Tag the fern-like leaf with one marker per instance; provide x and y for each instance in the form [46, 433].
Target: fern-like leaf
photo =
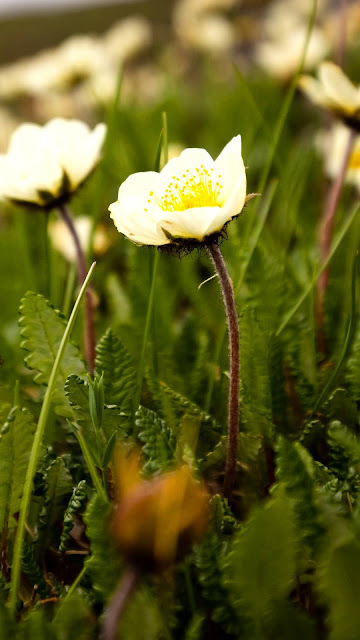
[159, 442]
[32, 570]
[75, 505]
[113, 360]
[42, 328]
[103, 553]
[16, 439]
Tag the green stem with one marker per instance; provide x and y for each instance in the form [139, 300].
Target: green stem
[76, 583]
[35, 451]
[146, 335]
[150, 306]
[69, 290]
[319, 271]
[90, 465]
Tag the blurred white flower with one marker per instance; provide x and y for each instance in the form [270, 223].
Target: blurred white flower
[280, 56]
[193, 197]
[127, 38]
[63, 242]
[334, 91]
[46, 164]
[332, 145]
[8, 124]
[200, 25]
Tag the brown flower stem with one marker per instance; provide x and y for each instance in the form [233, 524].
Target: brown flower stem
[118, 603]
[326, 234]
[234, 339]
[89, 331]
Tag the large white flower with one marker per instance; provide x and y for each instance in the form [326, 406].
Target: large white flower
[193, 197]
[334, 91]
[46, 164]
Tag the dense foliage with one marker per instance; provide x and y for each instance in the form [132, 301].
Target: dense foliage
[283, 560]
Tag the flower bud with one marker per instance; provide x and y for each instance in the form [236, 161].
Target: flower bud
[155, 522]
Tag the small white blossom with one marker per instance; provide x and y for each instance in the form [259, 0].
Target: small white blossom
[334, 91]
[46, 164]
[332, 146]
[193, 197]
[62, 240]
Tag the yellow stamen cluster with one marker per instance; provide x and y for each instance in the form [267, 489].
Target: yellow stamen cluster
[189, 190]
[354, 162]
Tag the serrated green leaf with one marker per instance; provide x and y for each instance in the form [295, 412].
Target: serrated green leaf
[75, 505]
[59, 487]
[16, 439]
[295, 469]
[159, 443]
[113, 360]
[42, 328]
[74, 619]
[339, 585]
[113, 420]
[102, 549]
[261, 565]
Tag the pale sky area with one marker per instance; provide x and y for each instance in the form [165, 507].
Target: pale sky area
[12, 7]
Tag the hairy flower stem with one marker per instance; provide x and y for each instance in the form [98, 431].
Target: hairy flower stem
[325, 237]
[118, 603]
[234, 339]
[89, 331]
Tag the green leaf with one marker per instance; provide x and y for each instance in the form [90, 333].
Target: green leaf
[295, 469]
[114, 362]
[145, 607]
[159, 444]
[42, 329]
[32, 570]
[255, 378]
[261, 565]
[59, 487]
[104, 564]
[113, 420]
[16, 439]
[73, 619]
[35, 625]
[75, 506]
[339, 584]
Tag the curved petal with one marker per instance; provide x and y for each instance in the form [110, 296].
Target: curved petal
[130, 219]
[139, 185]
[187, 162]
[78, 148]
[338, 87]
[232, 207]
[313, 90]
[191, 223]
[229, 167]
[32, 158]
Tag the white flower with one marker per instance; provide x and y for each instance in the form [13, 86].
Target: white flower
[193, 197]
[332, 145]
[62, 240]
[280, 56]
[334, 91]
[46, 164]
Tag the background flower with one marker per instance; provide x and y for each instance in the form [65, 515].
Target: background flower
[46, 164]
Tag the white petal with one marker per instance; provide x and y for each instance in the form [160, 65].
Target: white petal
[187, 162]
[338, 86]
[33, 159]
[139, 185]
[229, 167]
[138, 225]
[191, 223]
[231, 208]
[78, 148]
[314, 90]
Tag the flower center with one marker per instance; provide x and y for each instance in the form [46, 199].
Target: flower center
[354, 162]
[190, 190]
